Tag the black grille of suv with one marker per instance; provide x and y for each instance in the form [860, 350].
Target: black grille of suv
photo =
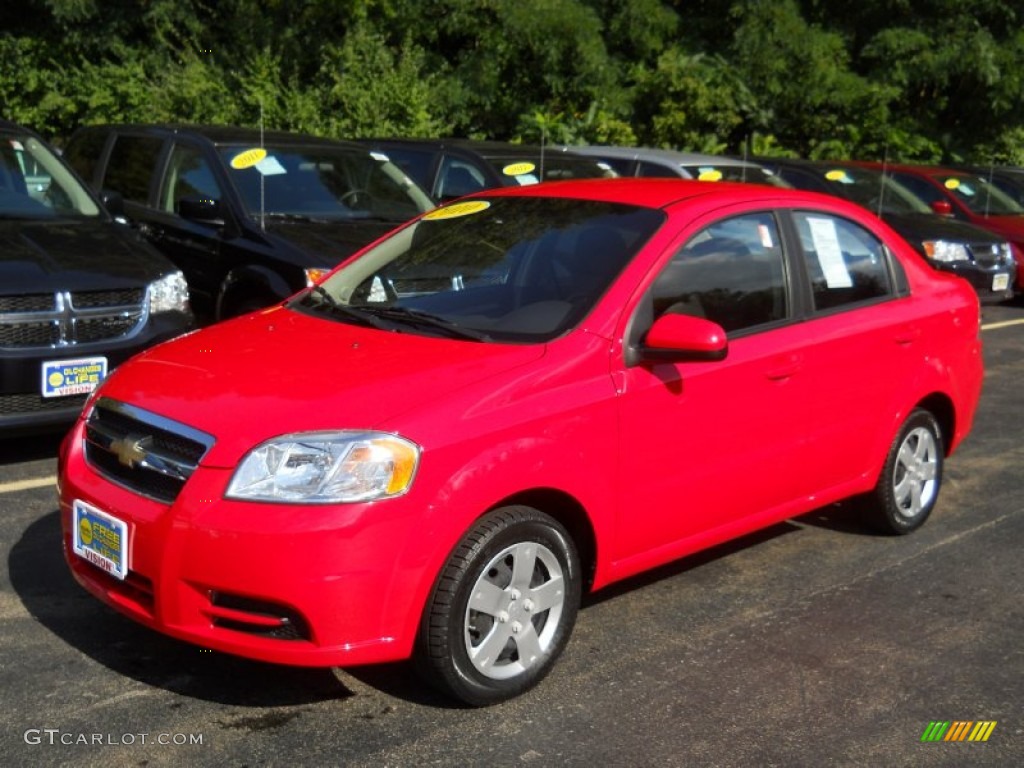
[22, 403]
[141, 451]
[66, 318]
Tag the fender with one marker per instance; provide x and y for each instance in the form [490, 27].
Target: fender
[254, 277]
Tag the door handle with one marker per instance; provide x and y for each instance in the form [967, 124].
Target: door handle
[908, 335]
[785, 368]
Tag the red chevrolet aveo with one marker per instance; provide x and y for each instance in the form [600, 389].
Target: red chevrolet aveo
[508, 401]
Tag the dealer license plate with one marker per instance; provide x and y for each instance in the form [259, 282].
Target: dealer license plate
[100, 538]
[73, 377]
[1000, 282]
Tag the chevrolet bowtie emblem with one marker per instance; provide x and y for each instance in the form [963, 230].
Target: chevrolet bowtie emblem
[131, 449]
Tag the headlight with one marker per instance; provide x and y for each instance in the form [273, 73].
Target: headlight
[942, 250]
[326, 468]
[169, 294]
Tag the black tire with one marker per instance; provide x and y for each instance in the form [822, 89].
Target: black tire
[511, 587]
[908, 487]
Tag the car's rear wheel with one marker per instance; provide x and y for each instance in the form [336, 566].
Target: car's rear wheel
[502, 609]
[909, 484]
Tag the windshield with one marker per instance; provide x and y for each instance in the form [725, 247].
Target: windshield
[35, 183]
[549, 166]
[322, 182]
[748, 174]
[517, 269]
[873, 190]
[981, 196]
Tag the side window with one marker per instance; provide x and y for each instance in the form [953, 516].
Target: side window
[188, 175]
[458, 178]
[845, 263]
[731, 272]
[84, 152]
[919, 187]
[131, 165]
[654, 171]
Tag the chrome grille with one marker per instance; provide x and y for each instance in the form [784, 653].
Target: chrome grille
[142, 451]
[986, 255]
[66, 318]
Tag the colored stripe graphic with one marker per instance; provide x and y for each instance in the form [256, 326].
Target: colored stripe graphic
[982, 731]
[958, 730]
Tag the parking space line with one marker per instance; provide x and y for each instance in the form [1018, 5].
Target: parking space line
[1004, 324]
[24, 485]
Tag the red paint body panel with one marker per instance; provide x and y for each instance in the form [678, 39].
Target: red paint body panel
[656, 460]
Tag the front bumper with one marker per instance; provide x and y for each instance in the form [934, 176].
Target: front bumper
[23, 409]
[992, 283]
[299, 585]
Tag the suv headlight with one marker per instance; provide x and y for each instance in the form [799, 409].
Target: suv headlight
[326, 468]
[945, 251]
[169, 294]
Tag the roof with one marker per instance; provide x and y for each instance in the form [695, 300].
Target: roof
[228, 134]
[662, 192]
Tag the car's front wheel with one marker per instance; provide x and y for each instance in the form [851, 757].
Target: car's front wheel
[502, 609]
[909, 484]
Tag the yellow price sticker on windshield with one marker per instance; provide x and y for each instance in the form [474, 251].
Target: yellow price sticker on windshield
[518, 169]
[836, 176]
[952, 183]
[456, 210]
[711, 175]
[248, 158]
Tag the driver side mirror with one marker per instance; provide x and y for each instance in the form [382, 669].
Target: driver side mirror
[204, 210]
[678, 338]
[942, 207]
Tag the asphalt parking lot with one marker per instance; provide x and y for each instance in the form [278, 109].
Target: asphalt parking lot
[813, 643]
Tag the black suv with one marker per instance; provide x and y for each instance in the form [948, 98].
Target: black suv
[79, 293]
[451, 168]
[250, 217]
[979, 256]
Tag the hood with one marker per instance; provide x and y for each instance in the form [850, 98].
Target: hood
[1010, 227]
[916, 227]
[327, 243]
[279, 371]
[68, 254]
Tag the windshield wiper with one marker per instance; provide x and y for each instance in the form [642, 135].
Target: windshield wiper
[335, 307]
[416, 318]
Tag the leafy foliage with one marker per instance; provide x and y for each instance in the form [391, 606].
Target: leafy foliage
[936, 80]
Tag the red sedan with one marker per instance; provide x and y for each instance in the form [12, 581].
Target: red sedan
[511, 400]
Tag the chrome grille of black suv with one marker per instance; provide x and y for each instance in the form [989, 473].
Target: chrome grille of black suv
[986, 255]
[65, 319]
[142, 451]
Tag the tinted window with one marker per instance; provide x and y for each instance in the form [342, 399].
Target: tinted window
[458, 178]
[923, 188]
[188, 175]
[846, 264]
[131, 165]
[731, 273]
[415, 163]
[510, 269]
[84, 152]
[654, 171]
